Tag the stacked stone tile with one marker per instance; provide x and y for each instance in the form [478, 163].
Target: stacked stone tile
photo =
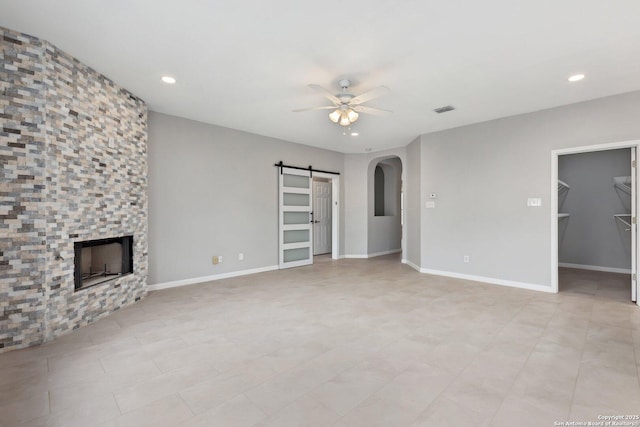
[73, 168]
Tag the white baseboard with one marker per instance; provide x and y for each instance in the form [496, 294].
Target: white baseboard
[194, 280]
[373, 255]
[492, 280]
[410, 264]
[514, 284]
[392, 251]
[595, 268]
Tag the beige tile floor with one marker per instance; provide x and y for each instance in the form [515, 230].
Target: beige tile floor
[341, 343]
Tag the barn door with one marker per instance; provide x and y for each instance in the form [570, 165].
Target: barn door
[295, 218]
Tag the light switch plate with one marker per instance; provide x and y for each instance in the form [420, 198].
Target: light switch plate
[534, 202]
[430, 205]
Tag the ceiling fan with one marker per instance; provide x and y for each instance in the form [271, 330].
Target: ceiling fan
[346, 106]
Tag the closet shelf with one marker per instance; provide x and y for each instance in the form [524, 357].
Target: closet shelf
[624, 218]
[562, 186]
[623, 183]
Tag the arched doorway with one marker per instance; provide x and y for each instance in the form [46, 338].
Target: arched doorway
[385, 206]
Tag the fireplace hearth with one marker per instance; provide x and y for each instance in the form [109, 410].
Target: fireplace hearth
[99, 261]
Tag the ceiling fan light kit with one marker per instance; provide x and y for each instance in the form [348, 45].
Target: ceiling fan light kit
[352, 115]
[344, 120]
[347, 106]
[344, 117]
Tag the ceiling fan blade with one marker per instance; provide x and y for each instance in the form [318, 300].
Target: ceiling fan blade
[331, 107]
[373, 93]
[326, 93]
[372, 110]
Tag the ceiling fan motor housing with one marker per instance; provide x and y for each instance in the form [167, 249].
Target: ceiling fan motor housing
[344, 97]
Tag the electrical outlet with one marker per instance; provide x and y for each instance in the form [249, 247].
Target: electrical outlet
[465, 258]
[220, 259]
[240, 256]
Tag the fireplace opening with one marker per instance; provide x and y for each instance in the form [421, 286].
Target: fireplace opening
[98, 261]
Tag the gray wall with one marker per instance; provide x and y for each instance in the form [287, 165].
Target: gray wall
[591, 236]
[413, 202]
[355, 200]
[359, 201]
[484, 174]
[213, 191]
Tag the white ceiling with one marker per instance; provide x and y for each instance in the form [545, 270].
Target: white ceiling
[246, 64]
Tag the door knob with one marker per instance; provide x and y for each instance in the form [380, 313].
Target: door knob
[316, 221]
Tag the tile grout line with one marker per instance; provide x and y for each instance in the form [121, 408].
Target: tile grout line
[584, 346]
[524, 364]
[48, 385]
[187, 404]
[636, 345]
[341, 417]
[319, 385]
[465, 367]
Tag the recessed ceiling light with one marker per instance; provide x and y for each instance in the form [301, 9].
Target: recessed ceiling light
[354, 134]
[168, 79]
[576, 77]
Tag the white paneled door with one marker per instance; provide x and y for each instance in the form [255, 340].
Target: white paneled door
[321, 217]
[295, 218]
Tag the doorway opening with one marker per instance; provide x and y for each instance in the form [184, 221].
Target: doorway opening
[333, 223]
[594, 229]
[322, 216]
[385, 207]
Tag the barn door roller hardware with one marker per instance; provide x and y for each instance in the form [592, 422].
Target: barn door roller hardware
[309, 168]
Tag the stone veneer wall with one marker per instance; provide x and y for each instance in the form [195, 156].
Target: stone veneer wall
[73, 155]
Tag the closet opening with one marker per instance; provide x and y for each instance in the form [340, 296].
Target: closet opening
[594, 214]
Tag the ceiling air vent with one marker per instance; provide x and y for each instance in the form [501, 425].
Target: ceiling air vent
[444, 109]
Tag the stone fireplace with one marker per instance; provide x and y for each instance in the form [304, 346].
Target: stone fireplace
[73, 148]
